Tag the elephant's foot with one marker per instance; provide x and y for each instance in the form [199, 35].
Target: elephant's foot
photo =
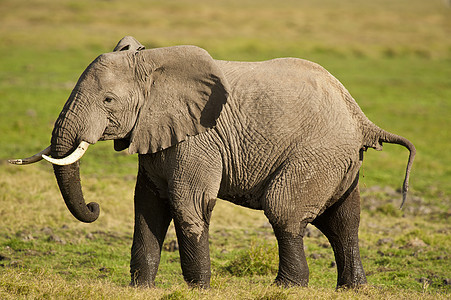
[290, 282]
[138, 280]
[352, 280]
[200, 281]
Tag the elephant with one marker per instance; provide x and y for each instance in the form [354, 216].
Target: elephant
[283, 136]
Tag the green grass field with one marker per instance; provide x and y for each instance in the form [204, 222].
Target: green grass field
[393, 56]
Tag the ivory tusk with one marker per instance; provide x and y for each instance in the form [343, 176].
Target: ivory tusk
[70, 159]
[30, 160]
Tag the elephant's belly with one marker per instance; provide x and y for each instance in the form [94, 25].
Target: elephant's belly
[249, 201]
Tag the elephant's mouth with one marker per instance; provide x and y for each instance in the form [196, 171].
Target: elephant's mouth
[121, 142]
[111, 132]
[108, 133]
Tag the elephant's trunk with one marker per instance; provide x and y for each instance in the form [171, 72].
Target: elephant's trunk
[68, 176]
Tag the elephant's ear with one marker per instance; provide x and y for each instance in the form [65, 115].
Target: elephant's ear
[184, 92]
[128, 43]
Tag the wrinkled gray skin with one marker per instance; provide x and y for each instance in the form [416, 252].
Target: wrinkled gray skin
[283, 136]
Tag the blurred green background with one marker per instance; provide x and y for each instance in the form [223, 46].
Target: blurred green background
[393, 56]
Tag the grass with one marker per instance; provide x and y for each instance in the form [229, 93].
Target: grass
[393, 56]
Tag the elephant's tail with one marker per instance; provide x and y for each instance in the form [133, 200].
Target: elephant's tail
[379, 136]
[396, 139]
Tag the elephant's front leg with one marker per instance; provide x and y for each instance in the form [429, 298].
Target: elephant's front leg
[195, 175]
[152, 219]
[192, 226]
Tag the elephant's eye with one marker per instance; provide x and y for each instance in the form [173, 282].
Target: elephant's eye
[108, 100]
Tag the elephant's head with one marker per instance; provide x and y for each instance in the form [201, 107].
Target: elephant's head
[145, 100]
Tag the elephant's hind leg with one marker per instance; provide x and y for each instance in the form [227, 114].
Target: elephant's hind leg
[281, 204]
[152, 219]
[293, 268]
[295, 196]
[340, 224]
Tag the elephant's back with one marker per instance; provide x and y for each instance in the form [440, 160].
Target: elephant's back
[290, 99]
